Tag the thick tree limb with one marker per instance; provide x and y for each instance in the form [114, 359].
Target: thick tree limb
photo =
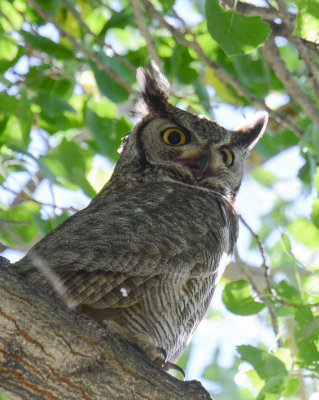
[48, 352]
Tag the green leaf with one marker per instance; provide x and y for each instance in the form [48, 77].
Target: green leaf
[108, 86]
[287, 243]
[254, 73]
[25, 116]
[291, 385]
[275, 387]
[266, 365]
[107, 133]
[288, 292]
[41, 83]
[315, 212]
[13, 16]
[308, 170]
[307, 19]
[264, 177]
[179, 65]
[307, 338]
[52, 105]
[167, 4]
[119, 20]
[8, 104]
[235, 33]
[25, 229]
[50, 47]
[95, 20]
[238, 299]
[223, 90]
[305, 232]
[68, 162]
[316, 179]
[8, 48]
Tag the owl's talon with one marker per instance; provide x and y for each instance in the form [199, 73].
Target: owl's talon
[168, 365]
[163, 353]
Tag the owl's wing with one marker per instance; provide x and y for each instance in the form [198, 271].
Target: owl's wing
[143, 231]
[98, 289]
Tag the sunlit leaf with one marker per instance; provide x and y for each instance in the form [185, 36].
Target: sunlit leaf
[8, 47]
[237, 297]
[307, 338]
[14, 17]
[264, 177]
[315, 212]
[288, 292]
[305, 232]
[221, 87]
[307, 20]
[266, 365]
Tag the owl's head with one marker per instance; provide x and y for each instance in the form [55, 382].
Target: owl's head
[170, 143]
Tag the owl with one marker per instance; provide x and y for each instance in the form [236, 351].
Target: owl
[146, 254]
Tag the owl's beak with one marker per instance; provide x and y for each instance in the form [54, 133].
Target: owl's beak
[203, 164]
[198, 165]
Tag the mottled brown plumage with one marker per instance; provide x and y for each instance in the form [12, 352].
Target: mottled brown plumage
[146, 254]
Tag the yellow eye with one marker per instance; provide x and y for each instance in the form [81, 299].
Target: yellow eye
[174, 137]
[228, 156]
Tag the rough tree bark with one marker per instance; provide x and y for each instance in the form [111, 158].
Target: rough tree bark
[50, 352]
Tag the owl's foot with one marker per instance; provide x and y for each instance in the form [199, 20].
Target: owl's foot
[157, 354]
[166, 365]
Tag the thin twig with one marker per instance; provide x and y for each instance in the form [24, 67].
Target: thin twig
[141, 24]
[273, 317]
[23, 196]
[91, 55]
[16, 223]
[82, 23]
[265, 267]
[290, 22]
[267, 270]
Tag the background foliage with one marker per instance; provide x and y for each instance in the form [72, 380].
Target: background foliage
[67, 73]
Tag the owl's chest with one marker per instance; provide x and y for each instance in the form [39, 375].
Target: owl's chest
[165, 228]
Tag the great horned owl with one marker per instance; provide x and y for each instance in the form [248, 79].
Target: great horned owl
[147, 252]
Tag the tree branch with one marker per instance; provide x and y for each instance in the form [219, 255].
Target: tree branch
[222, 73]
[48, 352]
[82, 23]
[272, 55]
[251, 10]
[91, 55]
[141, 24]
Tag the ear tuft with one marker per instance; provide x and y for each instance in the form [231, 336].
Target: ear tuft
[249, 133]
[155, 98]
